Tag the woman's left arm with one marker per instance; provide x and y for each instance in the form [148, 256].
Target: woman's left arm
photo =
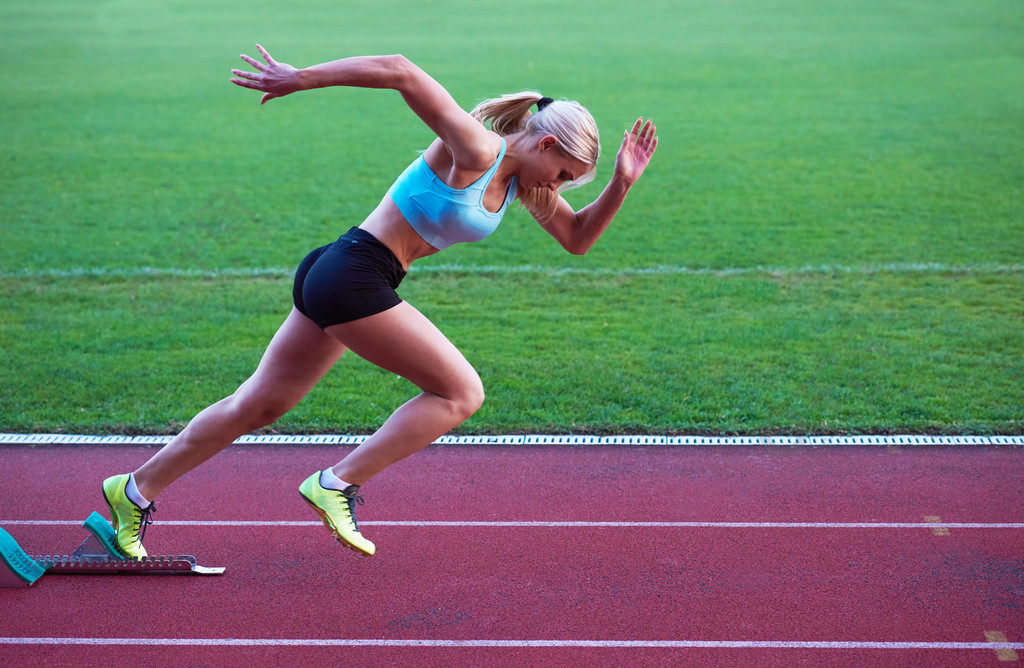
[578, 231]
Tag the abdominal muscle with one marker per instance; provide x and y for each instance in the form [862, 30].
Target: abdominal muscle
[391, 229]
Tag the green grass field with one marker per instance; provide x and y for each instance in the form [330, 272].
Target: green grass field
[829, 240]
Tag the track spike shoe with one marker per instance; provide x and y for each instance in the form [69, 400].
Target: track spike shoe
[337, 509]
[128, 519]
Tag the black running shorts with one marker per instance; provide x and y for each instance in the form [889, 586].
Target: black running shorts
[352, 278]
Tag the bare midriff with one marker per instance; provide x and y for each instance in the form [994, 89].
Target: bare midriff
[391, 229]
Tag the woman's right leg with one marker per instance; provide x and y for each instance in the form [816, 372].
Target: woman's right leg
[296, 359]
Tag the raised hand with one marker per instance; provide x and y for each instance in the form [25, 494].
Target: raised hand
[638, 146]
[274, 79]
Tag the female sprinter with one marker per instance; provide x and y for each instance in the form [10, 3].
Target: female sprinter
[344, 293]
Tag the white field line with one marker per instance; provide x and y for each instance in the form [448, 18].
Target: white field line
[538, 270]
[561, 525]
[631, 644]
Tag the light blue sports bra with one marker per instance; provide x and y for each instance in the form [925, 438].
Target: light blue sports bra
[441, 215]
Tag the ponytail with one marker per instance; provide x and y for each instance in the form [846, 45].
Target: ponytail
[508, 113]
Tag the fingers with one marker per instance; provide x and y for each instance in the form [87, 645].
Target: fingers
[641, 129]
[642, 135]
[252, 79]
[647, 131]
[255, 63]
[266, 56]
[260, 67]
[255, 80]
[251, 76]
[646, 136]
[249, 79]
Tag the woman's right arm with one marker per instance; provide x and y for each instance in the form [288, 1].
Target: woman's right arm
[471, 144]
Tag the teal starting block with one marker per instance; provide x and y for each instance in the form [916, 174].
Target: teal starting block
[98, 554]
[102, 541]
[21, 570]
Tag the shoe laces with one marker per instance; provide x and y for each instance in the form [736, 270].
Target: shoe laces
[350, 493]
[351, 496]
[144, 519]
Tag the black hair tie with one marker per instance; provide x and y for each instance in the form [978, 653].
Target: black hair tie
[543, 102]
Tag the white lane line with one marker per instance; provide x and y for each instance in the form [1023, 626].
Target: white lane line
[641, 525]
[536, 270]
[374, 642]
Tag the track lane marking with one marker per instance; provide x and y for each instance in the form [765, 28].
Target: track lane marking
[581, 525]
[411, 642]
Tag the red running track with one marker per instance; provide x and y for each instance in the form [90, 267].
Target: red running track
[554, 556]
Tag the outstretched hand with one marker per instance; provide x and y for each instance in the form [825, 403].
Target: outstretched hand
[274, 79]
[637, 148]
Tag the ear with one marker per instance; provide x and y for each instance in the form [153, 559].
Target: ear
[547, 142]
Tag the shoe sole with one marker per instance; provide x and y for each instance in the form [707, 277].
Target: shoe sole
[327, 523]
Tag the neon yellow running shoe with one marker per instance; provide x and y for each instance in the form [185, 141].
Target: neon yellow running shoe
[338, 512]
[129, 520]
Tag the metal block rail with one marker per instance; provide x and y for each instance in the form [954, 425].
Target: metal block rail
[98, 554]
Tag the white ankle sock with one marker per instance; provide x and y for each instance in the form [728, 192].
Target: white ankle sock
[330, 481]
[131, 490]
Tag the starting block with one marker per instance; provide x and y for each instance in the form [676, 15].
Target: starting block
[98, 554]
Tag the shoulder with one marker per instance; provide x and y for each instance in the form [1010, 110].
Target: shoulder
[479, 156]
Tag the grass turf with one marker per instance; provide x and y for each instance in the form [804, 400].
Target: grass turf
[829, 239]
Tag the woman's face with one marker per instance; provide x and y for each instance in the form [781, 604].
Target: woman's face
[549, 167]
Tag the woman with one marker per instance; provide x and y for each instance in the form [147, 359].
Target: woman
[344, 293]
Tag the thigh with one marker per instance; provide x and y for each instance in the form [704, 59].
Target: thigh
[404, 341]
[297, 358]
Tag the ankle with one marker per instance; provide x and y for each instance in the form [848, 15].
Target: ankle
[131, 490]
[329, 480]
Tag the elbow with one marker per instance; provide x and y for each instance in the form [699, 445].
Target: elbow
[415, 85]
[394, 71]
[400, 66]
[576, 241]
[578, 248]
[581, 240]
[400, 63]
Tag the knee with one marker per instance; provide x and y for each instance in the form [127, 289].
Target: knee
[266, 415]
[257, 410]
[469, 398]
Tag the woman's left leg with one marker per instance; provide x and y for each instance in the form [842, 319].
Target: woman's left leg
[403, 341]
[400, 340]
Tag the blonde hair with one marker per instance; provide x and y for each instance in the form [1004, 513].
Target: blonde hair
[569, 122]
